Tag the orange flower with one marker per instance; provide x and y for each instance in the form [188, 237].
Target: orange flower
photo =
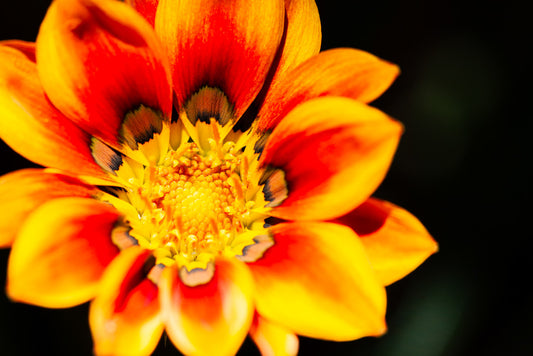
[211, 177]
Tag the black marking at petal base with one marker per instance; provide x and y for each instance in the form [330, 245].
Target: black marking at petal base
[261, 141]
[252, 253]
[275, 188]
[197, 276]
[140, 125]
[209, 103]
[105, 156]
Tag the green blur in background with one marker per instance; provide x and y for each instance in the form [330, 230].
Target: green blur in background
[462, 168]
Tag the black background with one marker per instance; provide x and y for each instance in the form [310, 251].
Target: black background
[462, 167]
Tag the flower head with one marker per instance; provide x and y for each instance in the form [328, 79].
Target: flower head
[209, 174]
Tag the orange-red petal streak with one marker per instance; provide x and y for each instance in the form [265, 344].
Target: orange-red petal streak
[26, 111]
[316, 280]
[147, 8]
[301, 41]
[25, 190]
[395, 241]
[228, 45]
[334, 153]
[212, 318]
[61, 252]
[125, 316]
[99, 60]
[341, 72]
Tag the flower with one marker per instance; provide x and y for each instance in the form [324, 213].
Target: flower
[209, 174]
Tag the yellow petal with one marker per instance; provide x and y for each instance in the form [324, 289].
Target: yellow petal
[316, 280]
[62, 249]
[273, 339]
[98, 60]
[212, 318]
[125, 317]
[340, 72]
[26, 111]
[333, 152]
[25, 190]
[395, 241]
[228, 45]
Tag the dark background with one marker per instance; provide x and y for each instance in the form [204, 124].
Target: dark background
[462, 167]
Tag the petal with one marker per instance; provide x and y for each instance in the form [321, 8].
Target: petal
[100, 60]
[25, 190]
[226, 45]
[147, 8]
[25, 110]
[333, 153]
[212, 318]
[273, 339]
[395, 241]
[301, 40]
[316, 281]
[61, 252]
[125, 316]
[340, 72]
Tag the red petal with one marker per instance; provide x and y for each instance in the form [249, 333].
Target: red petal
[212, 318]
[25, 190]
[61, 252]
[395, 241]
[227, 45]
[341, 72]
[316, 281]
[98, 61]
[125, 316]
[333, 153]
[301, 41]
[25, 110]
[147, 8]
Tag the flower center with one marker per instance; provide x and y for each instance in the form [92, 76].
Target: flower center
[193, 204]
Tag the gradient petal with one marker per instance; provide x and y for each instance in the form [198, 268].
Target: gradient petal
[25, 190]
[25, 110]
[212, 318]
[316, 281]
[301, 41]
[273, 339]
[395, 241]
[326, 157]
[125, 317]
[339, 72]
[100, 60]
[224, 45]
[61, 252]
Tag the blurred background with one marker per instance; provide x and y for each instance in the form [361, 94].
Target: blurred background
[462, 168]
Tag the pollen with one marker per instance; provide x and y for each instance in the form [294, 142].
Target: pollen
[193, 206]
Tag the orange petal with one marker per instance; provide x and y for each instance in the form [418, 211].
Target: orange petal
[61, 252]
[25, 110]
[273, 339]
[301, 40]
[316, 281]
[125, 316]
[212, 318]
[100, 60]
[333, 152]
[147, 8]
[25, 190]
[341, 72]
[228, 45]
[395, 241]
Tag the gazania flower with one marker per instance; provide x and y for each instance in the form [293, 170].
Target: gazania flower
[209, 175]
